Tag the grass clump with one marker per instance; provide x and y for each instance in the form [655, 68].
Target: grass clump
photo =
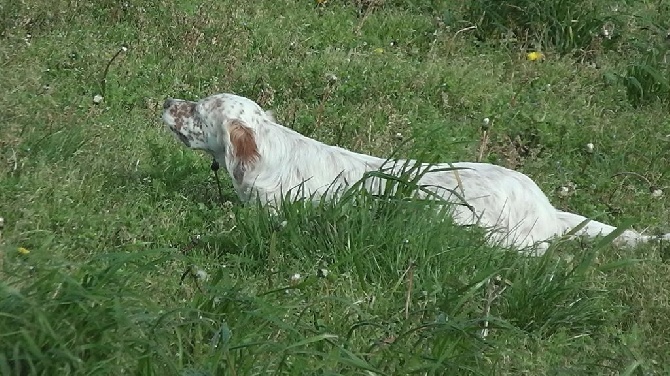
[562, 26]
[60, 318]
[647, 79]
[279, 299]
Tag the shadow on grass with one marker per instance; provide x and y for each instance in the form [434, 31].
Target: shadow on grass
[169, 173]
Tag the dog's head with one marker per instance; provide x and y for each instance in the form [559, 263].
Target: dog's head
[224, 125]
[183, 120]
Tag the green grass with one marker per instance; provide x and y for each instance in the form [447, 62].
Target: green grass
[135, 267]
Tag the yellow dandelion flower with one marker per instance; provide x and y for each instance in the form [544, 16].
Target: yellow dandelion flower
[379, 50]
[532, 56]
[23, 251]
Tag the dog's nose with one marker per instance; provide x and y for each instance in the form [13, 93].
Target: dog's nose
[168, 102]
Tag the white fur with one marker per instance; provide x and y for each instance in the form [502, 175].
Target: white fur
[267, 160]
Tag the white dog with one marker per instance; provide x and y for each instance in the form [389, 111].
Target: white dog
[267, 161]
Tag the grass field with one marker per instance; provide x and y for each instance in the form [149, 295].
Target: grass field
[118, 258]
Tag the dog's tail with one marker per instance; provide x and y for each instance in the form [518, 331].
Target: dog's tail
[591, 229]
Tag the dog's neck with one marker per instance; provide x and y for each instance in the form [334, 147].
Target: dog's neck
[291, 162]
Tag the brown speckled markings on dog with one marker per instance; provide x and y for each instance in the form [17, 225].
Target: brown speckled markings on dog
[180, 111]
[215, 104]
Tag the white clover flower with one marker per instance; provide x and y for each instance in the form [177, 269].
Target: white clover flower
[97, 99]
[657, 193]
[398, 136]
[563, 191]
[323, 273]
[486, 123]
[608, 31]
[331, 78]
[589, 147]
[295, 278]
[201, 275]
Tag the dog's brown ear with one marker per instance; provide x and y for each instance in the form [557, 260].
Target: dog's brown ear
[243, 141]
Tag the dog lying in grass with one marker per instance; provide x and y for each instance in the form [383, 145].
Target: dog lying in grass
[269, 162]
